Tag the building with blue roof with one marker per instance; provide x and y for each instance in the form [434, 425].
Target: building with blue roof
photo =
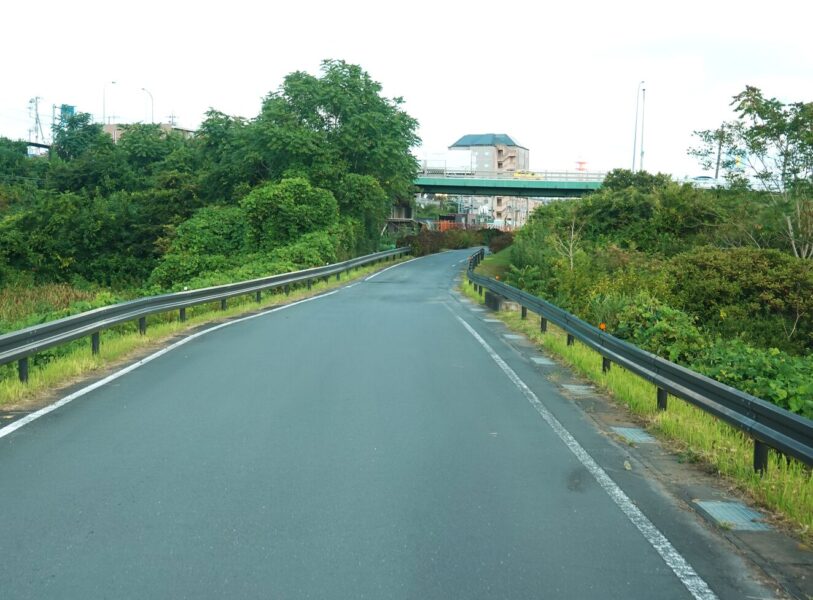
[493, 153]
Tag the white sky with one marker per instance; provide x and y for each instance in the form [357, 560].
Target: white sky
[559, 77]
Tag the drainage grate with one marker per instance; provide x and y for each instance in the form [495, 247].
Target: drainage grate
[578, 390]
[733, 515]
[542, 361]
[634, 434]
[513, 336]
[478, 310]
[492, 320]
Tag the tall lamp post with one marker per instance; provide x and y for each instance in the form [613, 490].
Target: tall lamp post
[635, 134]
[104, 101]
[152, 105]
[643, 111]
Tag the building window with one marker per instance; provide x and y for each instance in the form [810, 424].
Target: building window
[499, 165]
[499, 214]
[499, 201]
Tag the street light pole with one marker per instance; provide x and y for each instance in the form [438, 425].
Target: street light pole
[643, 110]
[152, 105]
[104, 101]
[635, 134]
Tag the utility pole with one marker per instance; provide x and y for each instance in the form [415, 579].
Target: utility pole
[34, 113]
[720, 133]
[635, 133]
[152, 105]
[104, 101]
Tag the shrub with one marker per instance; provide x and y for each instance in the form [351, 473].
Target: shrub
[659, 328]
[278, 213]
[763, 296]
[501, 241]
[211, 230]
[772, 375]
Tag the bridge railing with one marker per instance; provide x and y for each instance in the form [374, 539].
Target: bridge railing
[767, 424]
[20, 345]
[558, 176]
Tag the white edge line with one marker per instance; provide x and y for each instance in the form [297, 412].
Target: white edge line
[696, 586]
[377, 273]
[8, 429]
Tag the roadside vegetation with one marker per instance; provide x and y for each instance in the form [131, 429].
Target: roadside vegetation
[310, 180]
[718, 280]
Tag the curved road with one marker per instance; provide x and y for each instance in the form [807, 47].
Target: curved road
[379, 442]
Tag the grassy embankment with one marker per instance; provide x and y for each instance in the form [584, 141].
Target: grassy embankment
[120, 342]
[786, 489]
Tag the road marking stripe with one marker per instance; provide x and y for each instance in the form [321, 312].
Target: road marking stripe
[377, 273]
[696, 586]
[8, 429]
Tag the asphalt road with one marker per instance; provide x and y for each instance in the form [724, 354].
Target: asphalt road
[365, 444]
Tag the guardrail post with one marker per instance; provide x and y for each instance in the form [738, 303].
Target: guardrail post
[570, 339]
[286, 289]
[605, 364]
[339, 276]
[543, 324]
[258, 296]
[662, 395]
[22, 369]
[309, 284]
[182, 314]
[222, 304]
[760, 456]
[95, 342]
[524, 313]
[142, 325]
[481, 289]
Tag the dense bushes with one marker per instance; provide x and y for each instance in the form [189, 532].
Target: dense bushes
[764, 297]
[769, 374]
[663, 266]
[429, 242]
[326, 154]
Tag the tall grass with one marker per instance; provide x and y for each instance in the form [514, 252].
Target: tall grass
[75, 360]
[785, 489]
[19, 302]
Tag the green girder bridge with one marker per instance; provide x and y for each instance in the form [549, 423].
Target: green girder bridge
[522, 183]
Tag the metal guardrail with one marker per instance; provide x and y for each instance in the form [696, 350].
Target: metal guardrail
[19, 345]
[767, 424]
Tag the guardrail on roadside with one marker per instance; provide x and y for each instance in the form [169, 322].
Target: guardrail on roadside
[20, 345]
[767, 424]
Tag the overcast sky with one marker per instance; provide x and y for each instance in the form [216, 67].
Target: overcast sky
[560, 77]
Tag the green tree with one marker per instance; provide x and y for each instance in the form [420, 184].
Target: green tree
[621, 179]
[78, 134]
[362, 198]
[769, 147]
[336, 124]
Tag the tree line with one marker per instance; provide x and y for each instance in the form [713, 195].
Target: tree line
[308, 180]
[718, 280]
